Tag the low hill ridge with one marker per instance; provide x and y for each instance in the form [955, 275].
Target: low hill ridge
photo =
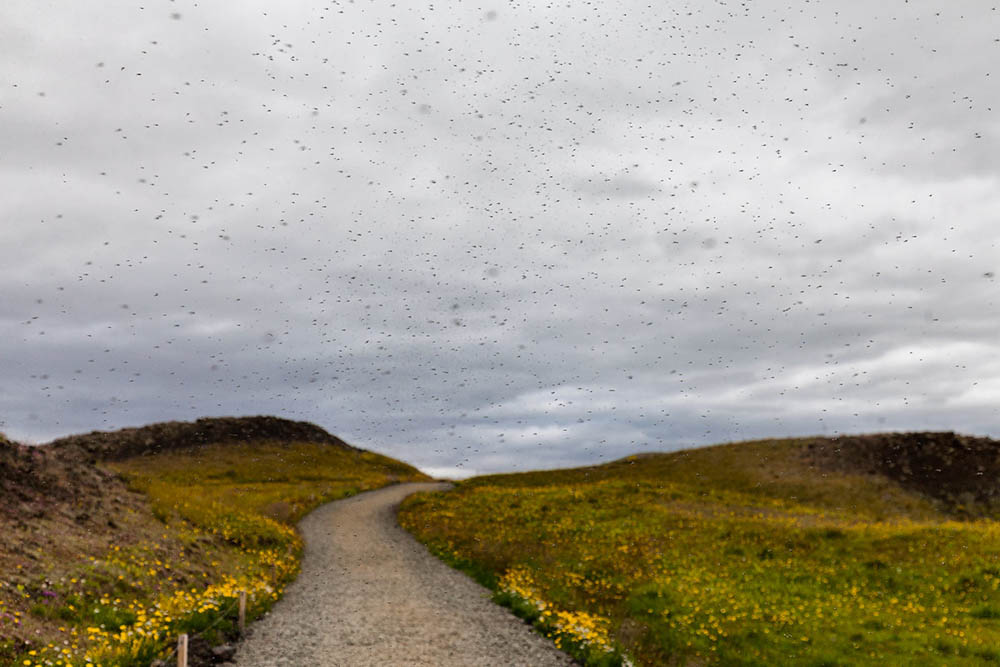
[167, 436]
[96, 526]
[957, 474]
[858, 549]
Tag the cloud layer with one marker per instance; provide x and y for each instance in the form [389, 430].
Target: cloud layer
[496, 237]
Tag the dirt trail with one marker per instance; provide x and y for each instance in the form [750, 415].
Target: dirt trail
[369, 594]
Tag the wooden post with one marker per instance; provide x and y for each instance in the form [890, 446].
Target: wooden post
[243, 611]
[182, 651]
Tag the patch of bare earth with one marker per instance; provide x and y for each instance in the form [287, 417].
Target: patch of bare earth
[54, 512]
[958, 471]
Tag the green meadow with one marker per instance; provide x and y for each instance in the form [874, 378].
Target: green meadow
[741, 554]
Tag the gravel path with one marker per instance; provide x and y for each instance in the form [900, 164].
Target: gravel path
[369, 594]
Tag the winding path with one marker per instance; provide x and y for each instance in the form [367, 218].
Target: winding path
[369, 594]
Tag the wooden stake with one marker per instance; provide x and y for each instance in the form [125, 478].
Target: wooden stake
[182, 651]
[243, 611]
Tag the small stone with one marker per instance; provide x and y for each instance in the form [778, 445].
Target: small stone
[223, 653]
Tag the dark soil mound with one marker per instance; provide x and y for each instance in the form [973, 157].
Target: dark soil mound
[51, 506]
[961, 471]
[32, 479]
[166, 436]
[23, 475]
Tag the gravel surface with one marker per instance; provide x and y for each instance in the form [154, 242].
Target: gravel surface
[369, 594]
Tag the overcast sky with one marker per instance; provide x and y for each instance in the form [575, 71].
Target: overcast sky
[500, 236]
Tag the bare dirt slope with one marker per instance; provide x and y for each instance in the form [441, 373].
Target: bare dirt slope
[369, 594]
[52, 510]
[959, 471]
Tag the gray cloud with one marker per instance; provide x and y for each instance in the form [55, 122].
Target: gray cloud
[547, 237]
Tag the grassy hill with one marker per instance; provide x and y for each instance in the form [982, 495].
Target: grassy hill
[875, 549]
[111, 544]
